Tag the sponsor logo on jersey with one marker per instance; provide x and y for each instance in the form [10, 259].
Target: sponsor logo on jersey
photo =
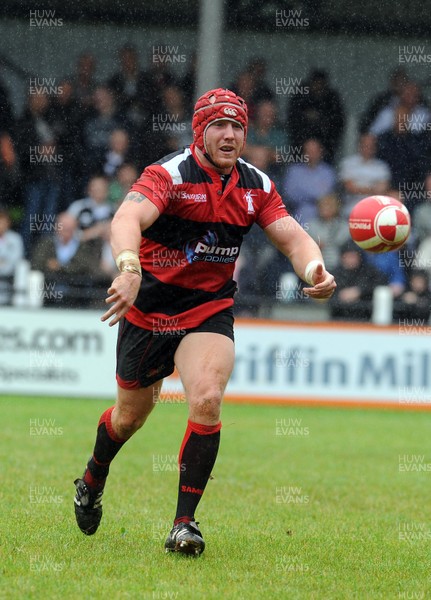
[207, 249]
[194, 197]
[248, 197]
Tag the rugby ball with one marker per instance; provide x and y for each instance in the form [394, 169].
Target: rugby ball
[379, 224]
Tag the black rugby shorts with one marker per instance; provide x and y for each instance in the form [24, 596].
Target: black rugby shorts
[145, 356]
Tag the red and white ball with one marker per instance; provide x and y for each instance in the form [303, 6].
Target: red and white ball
[379, 224]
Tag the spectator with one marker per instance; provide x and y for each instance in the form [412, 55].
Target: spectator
[173, 119]
[188, 82]
[59, 250]
[155, 80]
[125, 177]
[363, 174]
[329, 230]
[66, 119]
[245, 86]
[67, 263]
[93, 213]
[306, 182]
[390, 265]
[415, 302]
[127, 85]
[318, 114]
[259, 156]
[152, 141]
[422, 215]
[99, 128]
[258, 273]
[84, 81]
[7, 119]
[421, 258]
[257, 66]
[9, 169]
[415, 115]
[356, 281]
[11, 252]
[40, 166]
[405, 153]
[266, 130]
[118, 152]
[389, 98]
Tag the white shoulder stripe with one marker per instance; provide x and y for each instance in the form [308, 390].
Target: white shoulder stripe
[172, 165]
[266, 180]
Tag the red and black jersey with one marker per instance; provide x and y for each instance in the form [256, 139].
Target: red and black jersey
[188, 254]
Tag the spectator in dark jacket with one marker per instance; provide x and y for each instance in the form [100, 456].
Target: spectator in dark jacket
[389, 98]
[415, 302]
[317, 114]
[9, 170]
[356, 281]
[128, 83]
[40, 163]
[405, 153]
[84, 81]
[67, 121]
[7, 119]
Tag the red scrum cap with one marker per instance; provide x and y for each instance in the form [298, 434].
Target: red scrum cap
[217, 105]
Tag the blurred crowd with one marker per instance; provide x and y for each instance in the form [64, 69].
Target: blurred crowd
[70, 158]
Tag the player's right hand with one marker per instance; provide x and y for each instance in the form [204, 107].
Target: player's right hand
[323, 284]
[122, 294]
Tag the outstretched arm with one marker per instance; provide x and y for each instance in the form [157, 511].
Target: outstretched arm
[135, 215]
[289, 237]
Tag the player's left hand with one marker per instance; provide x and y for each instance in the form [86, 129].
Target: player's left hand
[323, 284]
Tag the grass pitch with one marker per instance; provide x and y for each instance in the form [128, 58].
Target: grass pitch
[305, 503]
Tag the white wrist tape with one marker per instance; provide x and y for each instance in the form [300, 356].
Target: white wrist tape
[309, 270]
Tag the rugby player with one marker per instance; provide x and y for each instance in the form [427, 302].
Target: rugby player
[175, 239]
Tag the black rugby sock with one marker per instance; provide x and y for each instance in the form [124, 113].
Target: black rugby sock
[197, 456]
[106, 447]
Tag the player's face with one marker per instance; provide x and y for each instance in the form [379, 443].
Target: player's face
[224, 141]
